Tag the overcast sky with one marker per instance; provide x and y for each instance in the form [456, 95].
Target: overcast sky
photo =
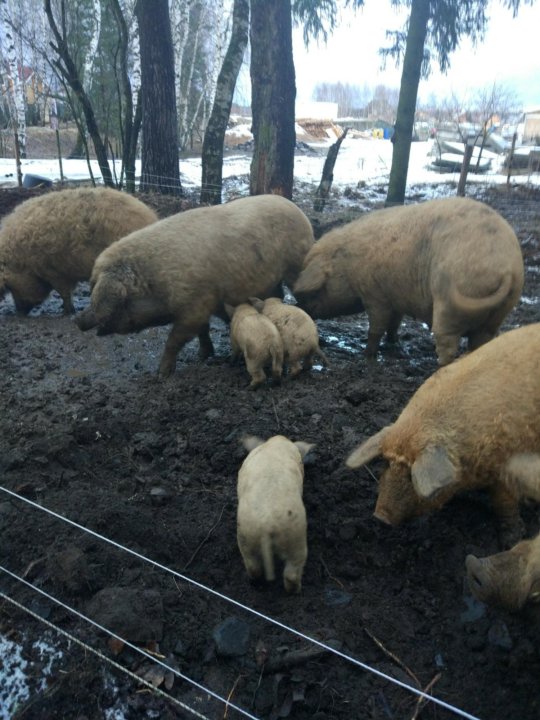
[509, 55]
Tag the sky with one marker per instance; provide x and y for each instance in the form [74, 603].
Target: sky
[508, 55]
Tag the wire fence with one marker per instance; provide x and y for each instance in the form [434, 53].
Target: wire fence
[421, 695]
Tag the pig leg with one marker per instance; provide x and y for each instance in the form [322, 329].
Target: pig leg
[295, 367]
[64, 288]
[446, 335]
[236, 351]
[380, 319]
[292, 577]
[479, 337]
[28, 292]
[206, 349]
[252, 559]
[294, 566]
[446, 346]
[258, 375]
[178, 337]
[253, 565]
[506, 508]
[277, 366]
[488, 330]
[393, 327]
[67, 302]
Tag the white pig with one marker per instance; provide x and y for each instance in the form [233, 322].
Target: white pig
[258, 339]
[298, 332]
[271, 515]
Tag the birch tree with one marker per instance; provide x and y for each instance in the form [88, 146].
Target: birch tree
[13, 56]
[200, 31]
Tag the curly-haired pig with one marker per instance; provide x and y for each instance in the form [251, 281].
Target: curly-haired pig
[459, 430]
[271, 517]
[51, 241]
[454, 264]
[511, 579]
[257, 338]
[298, 332]
[185, 268]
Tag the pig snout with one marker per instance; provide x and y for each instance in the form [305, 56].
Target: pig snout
[396, 498]
[384, 516]
[86, 320]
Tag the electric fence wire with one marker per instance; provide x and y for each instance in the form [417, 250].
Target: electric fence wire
[137, 649]
[103, 657]
[245, 608]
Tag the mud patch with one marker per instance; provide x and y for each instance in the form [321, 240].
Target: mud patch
[88, 431]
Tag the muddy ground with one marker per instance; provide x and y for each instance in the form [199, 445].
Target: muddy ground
[88, 431]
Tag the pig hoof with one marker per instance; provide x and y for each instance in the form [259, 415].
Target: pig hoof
[165, 371]
[205, 353]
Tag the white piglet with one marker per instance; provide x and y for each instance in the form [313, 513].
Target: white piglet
[271, 516]
[257, 338]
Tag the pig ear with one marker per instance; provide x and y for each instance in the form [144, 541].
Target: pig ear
[432, 471]
[310, 279]
[369, 449]
[522, 474]
[250, 442]
[257, 303]
[304, 447]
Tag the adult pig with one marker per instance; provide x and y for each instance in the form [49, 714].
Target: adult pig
[511, 579]
[185, 268]
[460, 430]
[455, 264]
[51, 241]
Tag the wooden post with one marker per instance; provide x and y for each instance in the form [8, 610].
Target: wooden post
[510, 158]
[467, 155]
[54, 125]
[328, 174]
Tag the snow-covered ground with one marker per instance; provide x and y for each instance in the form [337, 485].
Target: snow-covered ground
[360, 160]
[15, 671]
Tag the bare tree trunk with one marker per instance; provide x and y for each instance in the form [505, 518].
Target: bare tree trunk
[214, 137]
[408, 92]
[129, 128]
[467, 155]
[328, 174]
[509, 158]
[273, 95]
[68, 70]
[160, 160]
